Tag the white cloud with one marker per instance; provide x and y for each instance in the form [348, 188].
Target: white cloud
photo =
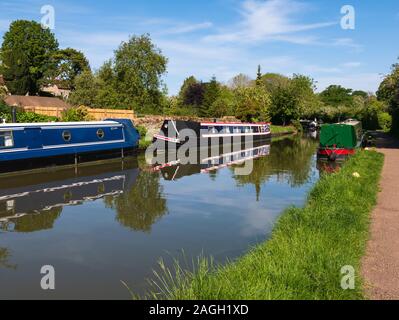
[187, 28]
[269, 20]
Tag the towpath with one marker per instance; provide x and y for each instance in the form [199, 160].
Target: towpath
[380, 266]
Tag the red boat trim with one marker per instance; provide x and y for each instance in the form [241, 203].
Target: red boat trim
[239, 124]
[157, 136]
[338, 152]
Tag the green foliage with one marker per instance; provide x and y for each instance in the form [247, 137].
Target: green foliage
[68, 64]
[22, 116]
[336, 96]
[389, 93]
[239, 81]
[76, 114]
[385, 121]
[224, 104]
[131, 80]
[25, 56]
[293, 100]
[252, 104]
[273, 81]
[211, 94]
[30, 117]
[308, 247]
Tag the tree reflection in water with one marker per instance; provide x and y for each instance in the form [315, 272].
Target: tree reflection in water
[290, 160]
[141, 206]
[31, 222]
[4, 256]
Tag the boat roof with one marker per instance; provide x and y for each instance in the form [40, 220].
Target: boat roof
[57, 124]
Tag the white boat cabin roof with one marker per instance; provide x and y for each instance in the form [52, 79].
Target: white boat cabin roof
[60, 124]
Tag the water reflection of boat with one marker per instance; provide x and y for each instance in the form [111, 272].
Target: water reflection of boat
[327, 167]
[212, 160]
[33, 202]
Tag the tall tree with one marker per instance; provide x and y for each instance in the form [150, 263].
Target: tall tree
[259, 76]
[139, 65]
[252, 104]
[212, 92]
[25, 56]
[68, 64]
[191, 92]
[240, 81]
[336, 95]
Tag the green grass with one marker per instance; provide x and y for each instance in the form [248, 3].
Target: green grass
[282, 129]
[307, 249]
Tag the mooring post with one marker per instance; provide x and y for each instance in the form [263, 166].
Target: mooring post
[122, 154]
[14, 115]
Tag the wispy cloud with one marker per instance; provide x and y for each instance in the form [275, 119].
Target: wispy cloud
[270, 20]
[187, 28]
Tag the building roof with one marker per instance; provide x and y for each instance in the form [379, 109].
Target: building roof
[34, 101]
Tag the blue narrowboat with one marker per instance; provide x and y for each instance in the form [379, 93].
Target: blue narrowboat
[31, 145]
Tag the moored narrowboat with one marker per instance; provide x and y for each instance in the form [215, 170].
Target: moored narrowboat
[340, 140]
[32, 145]
[205, 134]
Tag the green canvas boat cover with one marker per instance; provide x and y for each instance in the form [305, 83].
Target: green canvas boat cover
[340, 135]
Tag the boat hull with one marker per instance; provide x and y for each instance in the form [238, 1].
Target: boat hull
[331, 154]
[31, 146]
[175, 134]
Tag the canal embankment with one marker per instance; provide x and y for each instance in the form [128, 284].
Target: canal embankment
[307, 252]
[381, 263]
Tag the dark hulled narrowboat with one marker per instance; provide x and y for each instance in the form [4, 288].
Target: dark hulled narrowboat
[205, 134]
[340, 140]
[31, 145]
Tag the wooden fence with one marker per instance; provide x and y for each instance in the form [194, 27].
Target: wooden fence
[95, 114]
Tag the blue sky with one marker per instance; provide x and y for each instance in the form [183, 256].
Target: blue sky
[227, 37]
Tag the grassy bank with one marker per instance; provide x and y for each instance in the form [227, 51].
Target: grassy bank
[281, 130]
[308, 247]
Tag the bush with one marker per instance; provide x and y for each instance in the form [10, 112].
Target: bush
[297, 125]
[385, 121]
[76, 114]
[29, 117]
[142, 131]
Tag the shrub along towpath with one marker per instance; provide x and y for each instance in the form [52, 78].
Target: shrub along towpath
[308, 248]
[381, 265]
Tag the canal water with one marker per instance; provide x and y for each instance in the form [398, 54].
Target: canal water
[100, 225]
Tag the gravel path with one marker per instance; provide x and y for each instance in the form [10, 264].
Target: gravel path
[380, 266]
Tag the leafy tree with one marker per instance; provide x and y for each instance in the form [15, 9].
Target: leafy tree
[68, 64]
[192, 92]
[336, 95]
[360, 93]
[272, 81]
[389, 93]
[259, 76]
[293, 100]
[87, 88]
[212, 92]
[224, 104]
[25, 56]
[139, 65]
[252, 104]
[240, 81]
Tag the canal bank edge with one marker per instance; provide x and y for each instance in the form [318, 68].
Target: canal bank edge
[311, 253]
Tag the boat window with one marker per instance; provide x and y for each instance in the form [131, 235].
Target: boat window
[100, 133]
[6, 139]
[66, 135]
